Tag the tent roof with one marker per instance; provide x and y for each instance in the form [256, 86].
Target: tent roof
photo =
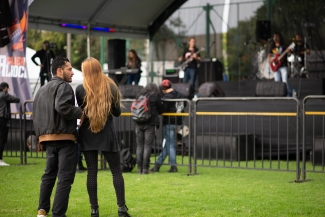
[129, 18]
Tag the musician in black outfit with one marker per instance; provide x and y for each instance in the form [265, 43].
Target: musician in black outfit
[191, 70]
[300, 48]
[45, 55]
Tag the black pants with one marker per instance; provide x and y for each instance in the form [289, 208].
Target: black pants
[113, 159]
[61, 162]
[145, 141]
[43, 78]
[3, 134]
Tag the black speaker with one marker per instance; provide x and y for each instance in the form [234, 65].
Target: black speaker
[211, 89]
[130, 91]
[116, 56]
[184, 88]
[271, 89]
[209, 70]
[263, 30]
[116, 53]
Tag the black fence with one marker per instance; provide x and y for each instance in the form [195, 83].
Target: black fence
[259, 133]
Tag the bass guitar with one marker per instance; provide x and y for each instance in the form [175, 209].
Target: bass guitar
[184, 65]
[276, 63]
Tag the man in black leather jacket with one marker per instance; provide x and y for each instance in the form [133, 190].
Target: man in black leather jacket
[55, 122]
[5, 100]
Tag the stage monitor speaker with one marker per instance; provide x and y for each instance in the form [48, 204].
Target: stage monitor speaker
[210, 89]
[263, 30]
[184, 88]
[130, 91]
[271, 89]
[116, 56]
[209, 70]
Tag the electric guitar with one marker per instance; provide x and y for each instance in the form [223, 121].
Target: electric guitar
[184, 65]
[276, 63]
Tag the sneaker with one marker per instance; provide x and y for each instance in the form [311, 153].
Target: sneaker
[2, 163]
[41, 213]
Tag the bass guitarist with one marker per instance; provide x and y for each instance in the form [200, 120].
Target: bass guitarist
[192, 57]
[277, 48]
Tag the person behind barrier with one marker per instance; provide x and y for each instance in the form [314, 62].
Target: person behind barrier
[278, 47]
[45, 56]
[190, 54]
[100, 99]
[55, 122]
[171, 125]
[5, 100]
[33, 144]
[146, 131]
[134, 62]
[300, 51]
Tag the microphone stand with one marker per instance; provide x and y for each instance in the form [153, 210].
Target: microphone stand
[304, 68]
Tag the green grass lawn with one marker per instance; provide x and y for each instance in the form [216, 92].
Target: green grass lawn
[213, 192]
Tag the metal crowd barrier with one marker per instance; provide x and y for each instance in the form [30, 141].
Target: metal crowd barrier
[14, 145]
[252, 133]
[313, 114]
[256, 133]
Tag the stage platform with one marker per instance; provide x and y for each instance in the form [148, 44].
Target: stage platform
[274, 135]
[246, 88]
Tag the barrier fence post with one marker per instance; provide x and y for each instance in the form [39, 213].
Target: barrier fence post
[303, 140]
[22, 148]
[297, 143]
[194, 136]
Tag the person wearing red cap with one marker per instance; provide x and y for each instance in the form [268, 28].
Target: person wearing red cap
[171, 124]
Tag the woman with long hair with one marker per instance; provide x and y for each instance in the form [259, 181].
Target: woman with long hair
[278, 47]
[146, 131]
[134, 62]
[100, 99]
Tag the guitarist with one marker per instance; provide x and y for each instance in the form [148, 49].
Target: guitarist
[276, 49]
[191, 54]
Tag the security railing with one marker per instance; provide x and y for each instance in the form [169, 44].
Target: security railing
[14, 145]
[313, 114]
[251, 133]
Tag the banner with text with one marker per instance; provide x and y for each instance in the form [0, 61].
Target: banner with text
[13, 34]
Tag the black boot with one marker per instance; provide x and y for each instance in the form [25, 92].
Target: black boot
[94, 213]
[145, 171]
[123, 211]
[155, 168]
[173, 169]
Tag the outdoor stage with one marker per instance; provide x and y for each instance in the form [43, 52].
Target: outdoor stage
[246, 88]
[273, 135]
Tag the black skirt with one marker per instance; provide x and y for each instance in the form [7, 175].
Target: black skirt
[105, 140]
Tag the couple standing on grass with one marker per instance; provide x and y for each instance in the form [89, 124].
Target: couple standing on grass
[55, 122]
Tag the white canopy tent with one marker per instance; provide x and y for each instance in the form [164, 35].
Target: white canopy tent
[129, 18]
